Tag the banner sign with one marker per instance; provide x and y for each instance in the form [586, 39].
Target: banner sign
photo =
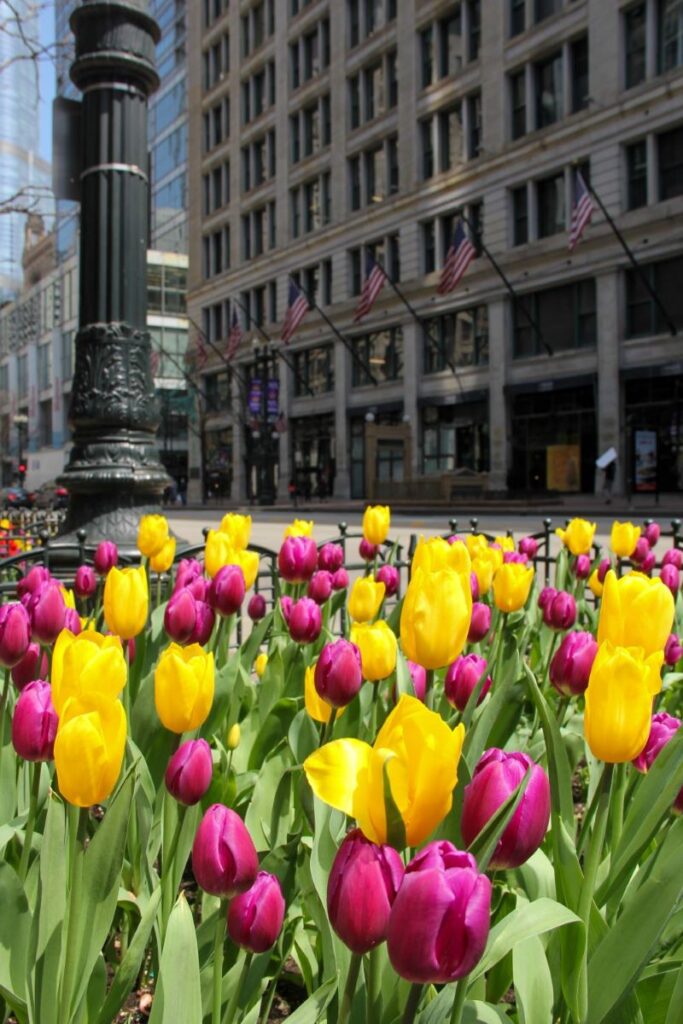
[645, 443]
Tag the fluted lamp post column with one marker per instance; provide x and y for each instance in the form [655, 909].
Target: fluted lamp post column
[114, 473]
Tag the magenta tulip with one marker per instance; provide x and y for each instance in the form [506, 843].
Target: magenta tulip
[367, 551]
[338, 673]
[297, 559]
[224, 859]
[106, 557]
[546, 596]
[180, 616]
[305, 621]
[15, 633]
[641, 550]
[528, 546]
[673, 650]
[33, 580]
[582, 567]
[474, 586]
[256, 609]
[480, 622]
[34, 723]
[340, 579]
[462, 677]
[189, 771]
[320, 586]
[648, 563]
[674, 556]
[419, 676]
[361, 889]
[439, 922]
[331, 557]
[48, 612]
[227, 590]
[514, 557]
[85, 581]
[286, 605]
[571, 664]
[670, 577]
[205, 621]
[389, 576]
[495, 778]
[72, 621]
[32, 666]
[189, 569]
[663, 728]
[560, 611]
[255, 917]
[603, 568]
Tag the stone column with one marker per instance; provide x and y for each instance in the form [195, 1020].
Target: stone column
[498, 333]
[412, 365]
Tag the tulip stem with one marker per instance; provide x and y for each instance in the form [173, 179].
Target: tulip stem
[372, 987]
[459, 1000]
[233, 1005]
[551, 651]
[329, 726]
[77, 823]
[429, 688]
[218, 963]
[617, 796]
[412, 1004]
[31, 820]
[594, 855]
[350, 988]
[3, 708]
[167, 889]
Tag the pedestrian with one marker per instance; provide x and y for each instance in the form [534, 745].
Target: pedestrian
[293, 491]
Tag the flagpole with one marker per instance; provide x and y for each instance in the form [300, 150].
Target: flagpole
[354, 355]
[636, 265]
[277, 349]
[222, 355]
[499, 270]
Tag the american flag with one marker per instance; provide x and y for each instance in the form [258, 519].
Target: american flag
[582, 211]
[202, 353]
[374, 282]
[296, 311]
[458, 259]
[235, 335]
[155, 362]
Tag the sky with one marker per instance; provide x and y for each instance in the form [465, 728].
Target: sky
[47, 80]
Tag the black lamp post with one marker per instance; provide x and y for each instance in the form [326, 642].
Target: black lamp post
[114, 472]
[263, 435]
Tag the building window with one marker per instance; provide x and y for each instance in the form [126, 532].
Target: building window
[443, 49]
[473, 104]
[367, 16]
[427, 56]
[546, 8]
[460, 338]
[636, 170]
[455, 435]
[670, 34]
[517, 17]
[311, 205]
[548, 86]
[314, 371]
[565, 316]
[474, 40]
[579, 62]
[551, 205]
[635, 40]
[670, 159]
[379, 177]
[518, 104]
[382, 352]
[643, 315]
[520, 216]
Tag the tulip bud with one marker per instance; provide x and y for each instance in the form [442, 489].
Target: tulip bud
[126, 601]
[297, 559]
[338, 673]
[367, 551]
[495, 778]
[511, 587]
[648, 563]
[652, 533]
[462, 677]
[514, 557]
[204, 623]
[439, 922]
[320, 586]
[331, 557]
[603, 569]
[106, 557]
[674, 556]
[224, 859]
[361, 889]
[227, 590]
[378, 648]
[48, 612]
[389, 576]
[32, 666]
[92, 733]
[188, 570]
[663, 728]
[546, 596]
[673, 650]
[670, 576]
[305, 621]
[376, 523]
[286, 605]
[474, 586]
[255, 917]
[152, 535]
[184, 682]
[189, 771]
[528, 546]
[72, 621]
[571, 665]
[34, 723]
[640, 551]
[560, 612]
[623, 538]
[340, 579]
[232, 741]
[480, 624]
[260, 663]
[85, 581]
[15, 633]
[256, 609]
[180, 616]
[582, 567]
[33, 580]
[419, 676]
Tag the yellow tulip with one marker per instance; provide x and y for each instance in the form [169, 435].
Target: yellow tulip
[595, 584]
[89, 663]
[624, 538]
[152, 535]
[485, 566]
[418, 752]
[636, 611]
[184, 687]
[248, 562]
[506, 543]
[376, 523]
[617, 717]
[237, 528]
[378, 648]
[365, 598]
[126, 601]
[260, 664]
[163, 560]
[89, 748]
[476, 542]
[436, 553]
[69, 597]
[317, 708]
[578, 536]
[232, 741]
[219, 551]
[300, 528]
[435, 618]
[511, 586]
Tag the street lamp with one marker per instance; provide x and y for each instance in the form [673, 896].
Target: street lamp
[261, 432]
[20, 422]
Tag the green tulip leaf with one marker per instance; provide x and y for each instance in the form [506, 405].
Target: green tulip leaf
[178, 992]
[125, 977]
[483, 846]
[15, 927]
[313, 1008]
[558, 762]
[533, 982]
[48, 922]
[396, 830]
[531, 919]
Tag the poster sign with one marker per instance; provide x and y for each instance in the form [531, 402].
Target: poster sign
[645, 442]
[272, 399]
[563, 467]
[255, 393]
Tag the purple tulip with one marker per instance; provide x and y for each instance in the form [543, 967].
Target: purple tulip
[674, 556]
[671, 577]
[515, 557]
[286, 605]
[331, 557]
[389, 576]
[297, 559]
[227, 590]
[189, 569]
[361, 889]
[673, 650]
[106, 557]
[640, 551]
[32, 666]
[582, 567]
[320, 586]
[205, 621]
[480, 622]
[48, 612]
[180, 616]
[546, 596]
[528, 546]
[648, 563]
[495, 778]
[255, 917]
[305, 621]
[560, 611]
[256, 609]
[15, 633]
[224, 858]
[419, 676]
[439, 922]
[474, 586]
[338, 673]
[603, 568]
[72, 621]
[367, 551]
[85, 581]
[663, 728]
[462, 677]
[33, 580]
[34, 723]
[571, 665]
[189, 771]
[340, 579]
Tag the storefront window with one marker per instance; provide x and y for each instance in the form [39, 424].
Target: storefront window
[217, 392]
[314, 371]
[455, 437]
[460, 338]
[313, 455]
[218, 462]
[382, 354]
[655, 406]
[643, 315]
[565, 317]
[554, 440]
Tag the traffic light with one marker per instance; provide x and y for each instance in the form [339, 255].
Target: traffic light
[22, 473]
